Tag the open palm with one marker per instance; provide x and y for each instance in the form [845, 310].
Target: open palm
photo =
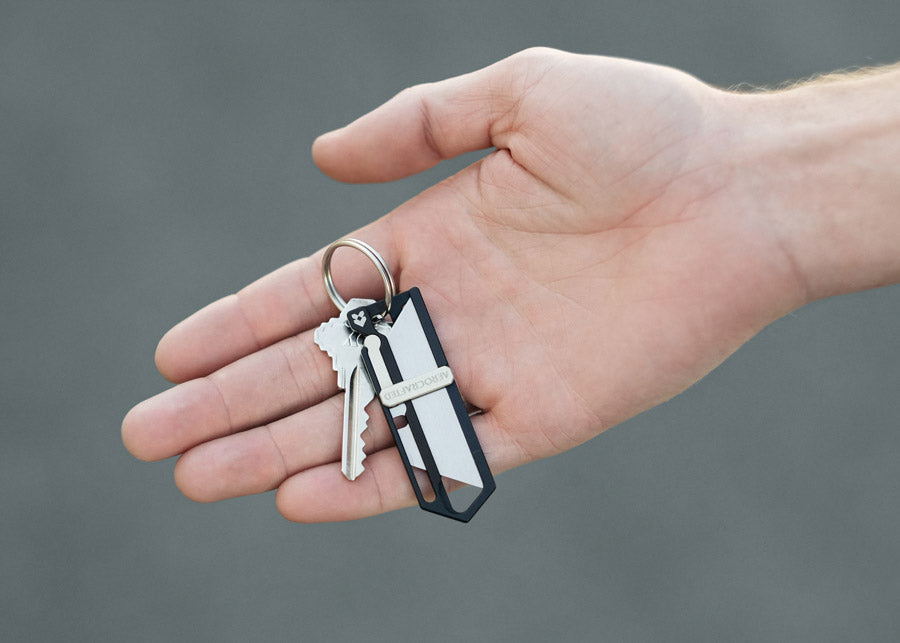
[596, 263]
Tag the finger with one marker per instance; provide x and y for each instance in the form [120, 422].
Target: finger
[283, 303]
[280, 304]
[428, 123]
[260, 459]
[322, 494]
[271, 383]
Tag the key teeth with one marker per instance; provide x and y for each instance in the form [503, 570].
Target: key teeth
[362, 443]
[361, 454]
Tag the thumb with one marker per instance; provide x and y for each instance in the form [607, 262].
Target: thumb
[428, 123]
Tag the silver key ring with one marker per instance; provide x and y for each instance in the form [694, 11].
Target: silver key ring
[373, 256]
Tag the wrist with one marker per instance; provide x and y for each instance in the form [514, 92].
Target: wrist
[820, 165]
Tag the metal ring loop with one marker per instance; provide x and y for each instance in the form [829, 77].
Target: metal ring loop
[373, 256]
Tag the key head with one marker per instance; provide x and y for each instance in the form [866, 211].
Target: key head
[342, 344]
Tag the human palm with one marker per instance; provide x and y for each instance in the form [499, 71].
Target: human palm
[594, 264]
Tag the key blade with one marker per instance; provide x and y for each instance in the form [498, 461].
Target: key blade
[358, 394]
[352, 454]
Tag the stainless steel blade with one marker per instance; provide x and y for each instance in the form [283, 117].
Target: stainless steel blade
[435, 412]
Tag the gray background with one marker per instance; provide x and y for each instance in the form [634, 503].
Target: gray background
[154, 157]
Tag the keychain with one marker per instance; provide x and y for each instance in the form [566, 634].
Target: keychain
[389, 349]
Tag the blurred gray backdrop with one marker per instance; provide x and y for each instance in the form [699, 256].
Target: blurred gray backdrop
[155, 156]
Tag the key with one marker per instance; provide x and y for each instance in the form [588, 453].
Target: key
[343, 345]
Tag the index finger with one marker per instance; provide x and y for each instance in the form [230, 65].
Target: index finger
[287, 301]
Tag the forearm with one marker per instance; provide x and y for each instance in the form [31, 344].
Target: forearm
[820, 163]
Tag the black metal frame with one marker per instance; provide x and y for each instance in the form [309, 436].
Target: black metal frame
[441, 504]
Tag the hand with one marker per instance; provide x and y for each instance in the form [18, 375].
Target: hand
[600, 260]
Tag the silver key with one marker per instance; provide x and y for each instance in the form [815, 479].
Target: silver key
[344, 346]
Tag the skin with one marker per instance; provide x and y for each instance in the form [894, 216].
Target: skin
[631, 228]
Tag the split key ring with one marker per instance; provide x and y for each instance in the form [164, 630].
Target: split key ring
[373, 256]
